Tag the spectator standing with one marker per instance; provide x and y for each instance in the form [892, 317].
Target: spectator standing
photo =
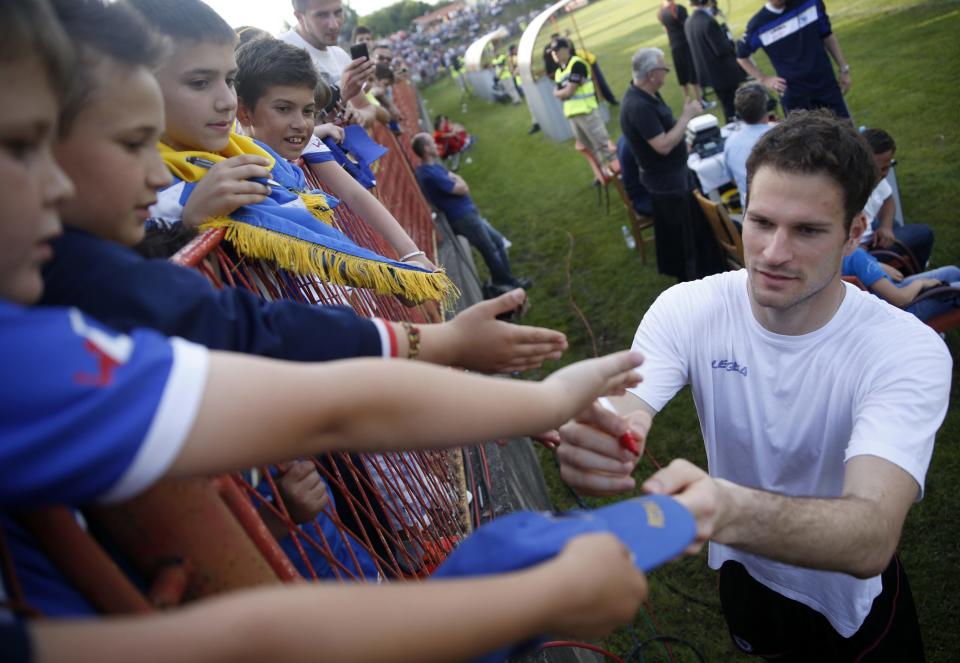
[575, 89]
[657, 140]
[751, 106]
[714, 56]
[796, 36]
[317, 31]
[449, 193]
[673, 17]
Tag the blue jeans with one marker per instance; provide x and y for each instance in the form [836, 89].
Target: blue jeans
[931, 308]
[489, 243]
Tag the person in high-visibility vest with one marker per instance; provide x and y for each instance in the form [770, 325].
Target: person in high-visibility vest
[503, 75]
[515, 72]
[575, 89]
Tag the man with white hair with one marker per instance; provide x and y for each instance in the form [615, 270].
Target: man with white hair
[656, 138]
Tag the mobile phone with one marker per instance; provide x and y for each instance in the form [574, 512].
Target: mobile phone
[359, 51]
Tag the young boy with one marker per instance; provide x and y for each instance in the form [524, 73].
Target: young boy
[888, 283]
[276, 83]
[188, 412]
[225, 181]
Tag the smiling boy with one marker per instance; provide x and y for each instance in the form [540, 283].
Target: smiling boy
[276, 83]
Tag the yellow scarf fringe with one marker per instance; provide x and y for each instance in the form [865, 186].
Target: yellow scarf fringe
[306, 259]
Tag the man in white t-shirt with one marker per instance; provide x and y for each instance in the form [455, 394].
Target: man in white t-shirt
[881, 233]
[817, 439]
[317, 31]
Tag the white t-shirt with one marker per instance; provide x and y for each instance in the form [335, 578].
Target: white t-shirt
[784, 413]
[330, 61]
[880, 193]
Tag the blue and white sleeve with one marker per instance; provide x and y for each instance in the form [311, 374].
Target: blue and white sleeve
[88, 414]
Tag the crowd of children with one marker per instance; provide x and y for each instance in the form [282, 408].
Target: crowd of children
[111, 405]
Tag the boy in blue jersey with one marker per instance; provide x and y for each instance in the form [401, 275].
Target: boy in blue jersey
[796, 35]
[86, 413]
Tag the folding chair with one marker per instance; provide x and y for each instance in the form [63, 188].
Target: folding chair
[726, 234]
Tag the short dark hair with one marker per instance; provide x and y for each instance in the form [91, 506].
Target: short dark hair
[815, 142]
[186, 21]
[750, 103]
[418, 143]
[29, 29]
[247, 33]
[102, 32]
[562, 42]
[880, 141]
[361, 30]
[264, 63]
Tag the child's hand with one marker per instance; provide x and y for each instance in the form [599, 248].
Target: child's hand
[226, 187]
[329, 130]
[303, 491]
[482, 342]
[578, 385]
[422, 261]
[602, 588]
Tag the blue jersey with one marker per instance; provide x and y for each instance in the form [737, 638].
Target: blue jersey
[793, 40]
[85, 414]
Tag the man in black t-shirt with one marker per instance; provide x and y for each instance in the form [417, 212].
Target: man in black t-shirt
[657, 140]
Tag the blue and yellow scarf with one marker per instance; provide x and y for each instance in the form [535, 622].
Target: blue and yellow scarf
[291, 228]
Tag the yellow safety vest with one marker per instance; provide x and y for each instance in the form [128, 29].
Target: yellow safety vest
[503, 69]
[584, 100]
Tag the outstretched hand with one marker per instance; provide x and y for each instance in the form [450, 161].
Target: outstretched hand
[488, 345]
[575, 387]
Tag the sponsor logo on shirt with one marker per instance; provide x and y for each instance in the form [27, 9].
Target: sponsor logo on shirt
[109, 351]
[790, 26]
[729, 365]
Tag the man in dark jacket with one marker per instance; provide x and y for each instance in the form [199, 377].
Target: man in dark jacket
[714, 56]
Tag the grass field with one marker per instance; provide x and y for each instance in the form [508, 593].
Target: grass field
[905, 58]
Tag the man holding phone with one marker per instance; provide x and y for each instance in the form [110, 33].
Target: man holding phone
[317, 31]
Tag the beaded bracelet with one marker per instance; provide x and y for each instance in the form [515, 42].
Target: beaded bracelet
[413, 340]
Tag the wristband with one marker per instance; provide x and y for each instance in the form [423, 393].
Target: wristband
[413, 254]
[413, 340]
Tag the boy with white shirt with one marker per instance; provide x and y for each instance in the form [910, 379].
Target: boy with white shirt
[817, 443]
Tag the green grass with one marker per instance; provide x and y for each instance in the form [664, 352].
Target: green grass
[904, 58]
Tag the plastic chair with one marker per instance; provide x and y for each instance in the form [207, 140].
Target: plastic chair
[902, 258]
[726, 234]
[638, 222]
[945, 321]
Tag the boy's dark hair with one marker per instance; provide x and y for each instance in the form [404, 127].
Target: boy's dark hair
[265, 63]
[247, 33]
[750, 103]
[880, 141]
[383, 72]
[360, 30]
[819, 142]
[102, 32]
[29, 29]
[418, 143]
[186, 21]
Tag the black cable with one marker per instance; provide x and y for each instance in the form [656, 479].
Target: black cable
[689, 597]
